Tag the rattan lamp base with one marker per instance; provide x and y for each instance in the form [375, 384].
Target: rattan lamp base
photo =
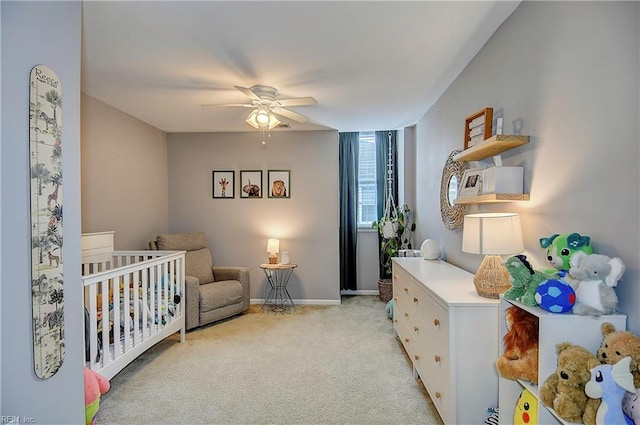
[491, 279]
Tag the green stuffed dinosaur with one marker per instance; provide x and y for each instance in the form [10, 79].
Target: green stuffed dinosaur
[524, 279]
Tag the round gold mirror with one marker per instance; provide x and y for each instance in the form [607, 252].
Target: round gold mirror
[452, 214]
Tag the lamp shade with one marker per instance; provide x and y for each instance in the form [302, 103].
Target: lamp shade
[273, 246]
[492, 234]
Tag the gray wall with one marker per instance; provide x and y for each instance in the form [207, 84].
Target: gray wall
[38, 33]
[125, 179]
[568, 74]
[238, 229]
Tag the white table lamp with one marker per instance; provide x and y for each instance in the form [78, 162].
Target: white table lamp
[273, 247]
[494, 235]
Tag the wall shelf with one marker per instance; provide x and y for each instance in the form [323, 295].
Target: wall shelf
[492, 198]
[494, 145]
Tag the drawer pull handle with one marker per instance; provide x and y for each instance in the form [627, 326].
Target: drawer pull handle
[438, 395]
[406, 340]
[417, 357]
[437, 358]
[416, 329]
[415, 299]
[406, 289]
[436, 322]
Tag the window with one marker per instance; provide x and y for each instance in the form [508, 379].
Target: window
[367, 192]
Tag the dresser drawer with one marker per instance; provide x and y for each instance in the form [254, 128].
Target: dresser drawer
[405, 335]
[402, 285]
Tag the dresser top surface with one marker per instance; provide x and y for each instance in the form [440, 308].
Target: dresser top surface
[451, 284]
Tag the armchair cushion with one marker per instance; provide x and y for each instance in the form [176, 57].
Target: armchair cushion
[199, 264]
[219, 294]
[198, 257]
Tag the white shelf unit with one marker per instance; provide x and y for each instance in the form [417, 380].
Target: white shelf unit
[450, 334]
[553, 329]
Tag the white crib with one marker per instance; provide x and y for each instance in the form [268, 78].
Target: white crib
[133, 300]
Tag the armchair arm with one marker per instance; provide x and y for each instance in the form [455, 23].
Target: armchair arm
[192, 301]
[241, 274]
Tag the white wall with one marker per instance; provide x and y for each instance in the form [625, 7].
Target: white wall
[125, 179]
[568, 74]
[238, 229]
[38, 33]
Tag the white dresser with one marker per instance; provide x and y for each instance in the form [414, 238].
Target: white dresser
[451, 335]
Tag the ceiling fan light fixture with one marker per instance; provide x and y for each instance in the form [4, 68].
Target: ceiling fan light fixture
[273, 121]
[251, 119]
[262, 118]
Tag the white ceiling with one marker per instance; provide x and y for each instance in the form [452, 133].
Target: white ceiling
[371, 65]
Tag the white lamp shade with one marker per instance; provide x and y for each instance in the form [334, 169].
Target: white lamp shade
[273, 246]
[492, 234]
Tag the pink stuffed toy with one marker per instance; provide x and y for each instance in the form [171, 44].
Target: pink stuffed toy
[94, 386]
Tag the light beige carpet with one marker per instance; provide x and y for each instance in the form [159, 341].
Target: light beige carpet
[317, 365]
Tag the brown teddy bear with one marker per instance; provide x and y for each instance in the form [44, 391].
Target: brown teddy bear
[520, 358]
[564, 389]
[618, 344]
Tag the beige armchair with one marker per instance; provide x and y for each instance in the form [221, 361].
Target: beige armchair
[212, 293]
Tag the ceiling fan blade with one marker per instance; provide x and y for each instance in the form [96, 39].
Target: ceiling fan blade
[290, 114]
[297, 101]
[248, 92]
[211, 106]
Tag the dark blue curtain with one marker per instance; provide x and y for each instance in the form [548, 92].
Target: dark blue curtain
[349, 148]
[382, 159]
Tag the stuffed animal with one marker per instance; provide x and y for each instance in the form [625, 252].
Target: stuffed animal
[520, 358]
[631, 405]
[94, 386]
[614, 347]
[560, 249]
[597, 275]
[611, 383]
[564, 389]
[555, 296]
[524, 279]
[526, 411]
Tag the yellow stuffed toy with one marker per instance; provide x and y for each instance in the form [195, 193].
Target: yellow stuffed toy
[94, 386]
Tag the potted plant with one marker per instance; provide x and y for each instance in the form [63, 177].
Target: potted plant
[395, 229]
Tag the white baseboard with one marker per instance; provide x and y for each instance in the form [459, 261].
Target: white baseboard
[360, 292]
[301, 302]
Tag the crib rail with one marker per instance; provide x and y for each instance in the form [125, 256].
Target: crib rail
[134, 300]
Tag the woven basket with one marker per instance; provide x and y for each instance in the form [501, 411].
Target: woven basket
[385, 288]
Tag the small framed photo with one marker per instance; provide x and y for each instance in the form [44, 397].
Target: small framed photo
[471, 183]
[279, 183]
[223, 184]
[250, 184]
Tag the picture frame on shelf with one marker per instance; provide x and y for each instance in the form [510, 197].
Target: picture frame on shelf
[471, 183]
[250, 184]
[278, 183]
[478, 127]
[223, 184]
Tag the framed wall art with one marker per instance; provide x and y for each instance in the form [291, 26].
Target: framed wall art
[471, 183]
[250, 184]
[223, 184]
[279, 182]
[477, 127]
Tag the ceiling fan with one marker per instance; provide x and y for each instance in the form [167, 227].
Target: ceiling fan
[265, 104]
